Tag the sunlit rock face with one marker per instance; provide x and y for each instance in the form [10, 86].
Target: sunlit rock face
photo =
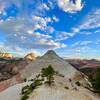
[6, 55]
[30, 56]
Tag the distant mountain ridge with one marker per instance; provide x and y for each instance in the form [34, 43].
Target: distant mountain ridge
[78, 63]
[30, 56]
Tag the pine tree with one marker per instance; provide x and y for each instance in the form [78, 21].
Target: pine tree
[48, 73]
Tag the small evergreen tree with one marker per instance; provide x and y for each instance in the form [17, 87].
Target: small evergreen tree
[48, 73]
[97, 79]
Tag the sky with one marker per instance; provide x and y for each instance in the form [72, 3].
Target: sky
[70, 27]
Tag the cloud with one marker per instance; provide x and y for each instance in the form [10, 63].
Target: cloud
[98, 42]
[81, 52]
[70, 6]
[21, 33]
[91, 21]
[75, 30]
[45, 6]
[97, 31]
[89, 25]
[41, 22]
[16, 50]
[62, 35]
[82, 43]
[33, 29]
[85, 42]
[55, 19]
[50, 44]
[49, 30]
[38, 35]
[19, 3]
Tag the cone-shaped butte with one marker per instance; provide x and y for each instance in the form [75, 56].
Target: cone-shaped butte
[50, 54]
[49, 58]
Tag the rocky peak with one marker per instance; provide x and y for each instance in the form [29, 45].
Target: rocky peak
[30, 56]
[50, 54]
[6, 55]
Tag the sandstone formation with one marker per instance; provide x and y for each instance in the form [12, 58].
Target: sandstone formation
[6, 55]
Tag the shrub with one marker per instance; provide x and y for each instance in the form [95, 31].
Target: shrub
[25, 79]
[29, 88]
[57, 73]
[95, 81]
[78, 83]
[37, 82]
[24, 97]
[67, 87]
[25, 89]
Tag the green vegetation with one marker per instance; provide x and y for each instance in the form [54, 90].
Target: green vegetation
[86, 70]
[46, 73]
[11, 61]
[95, 81]
[2, 59]
[24, 97]
[15, 61]
[37, 83]
[67, 87]
[25, 79]
[25, 92]
[28, 89]
[78, 83]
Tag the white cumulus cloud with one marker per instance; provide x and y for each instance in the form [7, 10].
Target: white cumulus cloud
[70, 5]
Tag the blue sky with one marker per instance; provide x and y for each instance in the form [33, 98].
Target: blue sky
[70, 27]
